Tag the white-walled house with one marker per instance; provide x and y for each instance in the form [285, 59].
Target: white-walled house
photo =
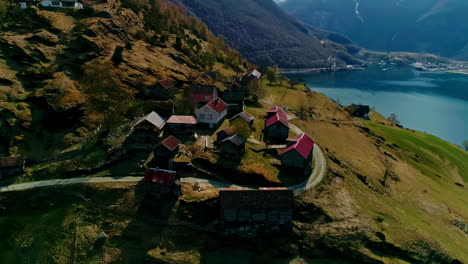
[212, 113]
[63, 3]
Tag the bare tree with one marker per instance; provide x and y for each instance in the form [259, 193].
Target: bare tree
[465, 145]
[394, 119]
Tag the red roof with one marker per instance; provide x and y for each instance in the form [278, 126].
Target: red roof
[171, 143]
[218, 105]
[278, 117]
[275, 109]
[160, 176]
[179, 119]
[166, 83]
[304, 145]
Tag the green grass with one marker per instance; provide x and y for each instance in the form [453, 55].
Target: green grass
[433, 151]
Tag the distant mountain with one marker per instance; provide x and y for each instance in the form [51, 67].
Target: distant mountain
[431, 26]
[266, 35]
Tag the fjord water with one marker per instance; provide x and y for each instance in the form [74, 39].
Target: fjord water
[433, 102]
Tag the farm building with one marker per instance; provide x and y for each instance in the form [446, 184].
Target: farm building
[225, 133]
[244, 116]
[212, 113]
[10, 166]
[266, 205]
[179, 124]
[249, 76]
[162, 90]
[165, 152]
[235, 98]
[63, 3]
[145, 133]
[298, 153]
[233, 147]
[361, 111]
[161, 183]
[203, 94]
[276, 124]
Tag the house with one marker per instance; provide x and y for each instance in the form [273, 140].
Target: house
[249, 76]
[161, 183]
[165, 152]
[298, 153]
[276, 124]
[145, 133]
[361, 111]
[265, 205]
[10, 166]
[225, 133]
[244, 116]
[25, 3]
[77, 4]
[162, 90]
[272, 111]
[235, 98]
[180, 124]
[213, 113]
[203, 94]
[233, 147]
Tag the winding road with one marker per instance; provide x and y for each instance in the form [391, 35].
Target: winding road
[318, 173]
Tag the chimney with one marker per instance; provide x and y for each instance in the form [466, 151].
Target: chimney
[216, 101]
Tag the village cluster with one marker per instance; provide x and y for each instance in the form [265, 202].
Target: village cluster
[76, 4]
[165, 136]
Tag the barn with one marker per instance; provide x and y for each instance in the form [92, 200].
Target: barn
[298, 153]
[265, 205]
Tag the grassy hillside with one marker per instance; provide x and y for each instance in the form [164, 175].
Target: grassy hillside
[52, 63]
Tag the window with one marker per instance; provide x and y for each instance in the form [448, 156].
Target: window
[202, 116]
[56, 3]
[207, 98]
[209, 117]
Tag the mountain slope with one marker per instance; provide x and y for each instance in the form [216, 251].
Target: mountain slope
[45, 57]
[428, 26]
[266, 35]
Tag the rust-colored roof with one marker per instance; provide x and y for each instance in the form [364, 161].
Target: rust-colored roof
[304, 145]
[171, 143]
[166, 83]
[11, 162]
[218, 105]
[160, 176]
[275, 109]
[180, 119]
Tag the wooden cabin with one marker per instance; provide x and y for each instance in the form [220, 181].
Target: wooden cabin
[180, 124]
[244, 116]
[276, 124]
[266, 205]
[233, 147]
[203, 94]
[11, 166]
[146, 131]
[162, 90]
[161, 183]
[223, 134]
[298, 153]
[165, 152]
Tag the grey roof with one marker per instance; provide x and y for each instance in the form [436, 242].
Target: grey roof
[236, 139]
[245, 115]
[153, 118]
